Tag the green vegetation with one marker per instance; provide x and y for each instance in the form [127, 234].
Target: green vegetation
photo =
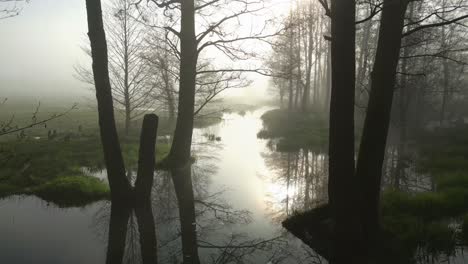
[415, 225]
[55, 169]
[295, 130]
[432, 222]
[72, 191]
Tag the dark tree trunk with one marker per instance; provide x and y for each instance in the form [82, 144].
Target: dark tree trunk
[183, 186]
[180, 150]
[179, 156]
[127, 115]
[146, 158]
[120, 214]
[118, 226]
[328, 79]
[372, 149]
[342, 191]
[119, 184]
[306, 95]
[362, 61]
[126, 73]
[446, 75]
[147, 231]
[290, 92]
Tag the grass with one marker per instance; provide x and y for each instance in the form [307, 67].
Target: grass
[72, 190]
[433, 223]
[52, 169]
[427, 221]
[295, 130]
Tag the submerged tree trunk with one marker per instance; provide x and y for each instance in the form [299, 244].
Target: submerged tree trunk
[119, 184]
[342, 191]
[374, 137]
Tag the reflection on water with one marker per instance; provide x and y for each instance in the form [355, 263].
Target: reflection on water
[242, 189]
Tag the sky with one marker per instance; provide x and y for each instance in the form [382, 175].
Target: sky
[39, 48]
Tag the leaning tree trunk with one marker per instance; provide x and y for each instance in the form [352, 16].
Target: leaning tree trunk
[374, 137]
[342, 191]
[119, 184]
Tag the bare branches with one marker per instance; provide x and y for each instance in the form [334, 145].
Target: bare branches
[427, 26]
[8, 126]
[128, 69]
[326, 7]
[375, 9]
[166, 4]
[11, 8]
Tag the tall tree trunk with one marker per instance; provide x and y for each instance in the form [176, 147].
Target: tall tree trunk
[403, 105]
[126, 72]
[446, 73]
[374, 137]
[179, 156]
[180, 150]
[342, 191]
[328, 78]
[146, 158]
[119, 184]
[316, 71]
[299, 63]
[127, 114]
[362, 61]
[290, 70]
[306, 96]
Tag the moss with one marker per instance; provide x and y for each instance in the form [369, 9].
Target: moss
[72, 190]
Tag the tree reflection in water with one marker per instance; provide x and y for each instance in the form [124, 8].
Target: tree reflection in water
[300, 182]
[131, 232]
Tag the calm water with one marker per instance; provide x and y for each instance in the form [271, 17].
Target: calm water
[241, 196]
[243, 190]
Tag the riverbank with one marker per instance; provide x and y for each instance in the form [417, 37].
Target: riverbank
[59, 169]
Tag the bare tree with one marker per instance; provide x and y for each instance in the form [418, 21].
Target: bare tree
[129, 72]
[297, 57]
[11, 8]
[9, 126]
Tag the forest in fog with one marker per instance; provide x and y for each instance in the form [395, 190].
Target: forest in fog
[234, 131]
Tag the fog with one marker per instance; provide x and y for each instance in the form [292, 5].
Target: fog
[41, 45]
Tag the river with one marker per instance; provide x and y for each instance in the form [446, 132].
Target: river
[231, 174]
[243, 190]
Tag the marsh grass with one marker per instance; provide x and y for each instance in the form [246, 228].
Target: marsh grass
[54, 169]
[295, 130]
